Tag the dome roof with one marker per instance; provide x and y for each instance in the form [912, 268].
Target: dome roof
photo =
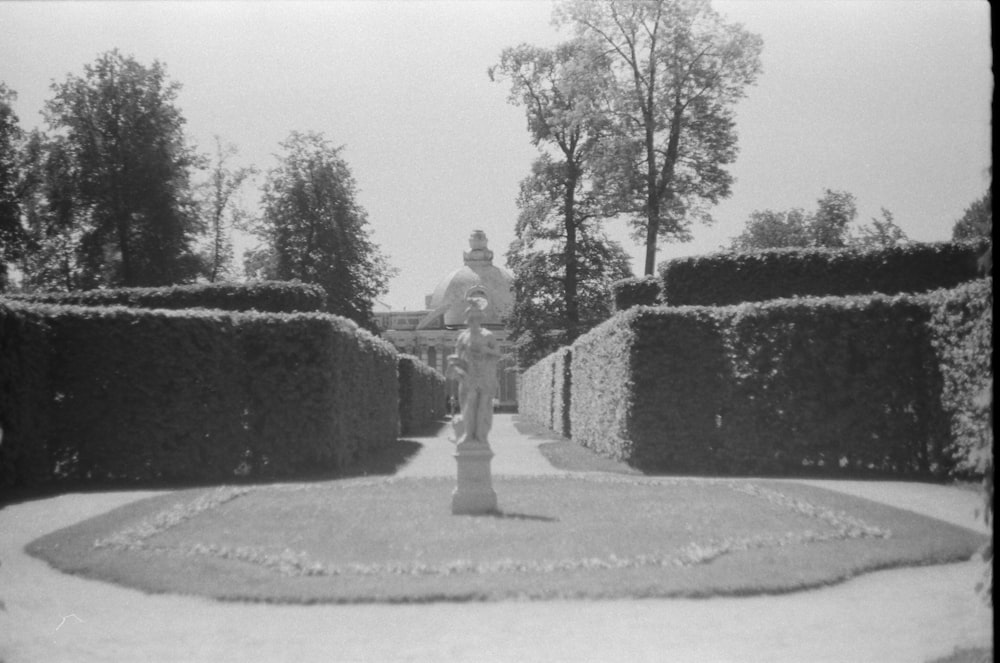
[449, 296]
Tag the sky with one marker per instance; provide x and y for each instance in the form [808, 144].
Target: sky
[887, 99]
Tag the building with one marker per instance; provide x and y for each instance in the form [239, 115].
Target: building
[431, 333]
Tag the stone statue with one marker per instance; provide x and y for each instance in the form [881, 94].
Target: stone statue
[474, 365]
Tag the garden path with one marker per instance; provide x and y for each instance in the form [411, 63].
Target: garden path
[905, 615]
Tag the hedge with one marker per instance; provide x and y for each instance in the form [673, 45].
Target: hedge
[121, 394]
[264, 296]
[544, 392]
[724, 279]
[635, 291]
[422, 394]
[875, 384]
[25, 354]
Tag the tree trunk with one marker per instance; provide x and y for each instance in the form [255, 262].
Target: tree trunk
[570, 282]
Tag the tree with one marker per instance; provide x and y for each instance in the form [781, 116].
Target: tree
[58, 232]
[315, 231]
[880, 233]
[12, 236]
[977, 220]
[217, 198]
[559, 89]
[541, 322]
[829, 226]
[128, 155]
[678, 70]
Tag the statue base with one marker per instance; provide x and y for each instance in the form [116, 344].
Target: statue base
[474, 493]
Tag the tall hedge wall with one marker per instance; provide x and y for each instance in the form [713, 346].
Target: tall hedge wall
[857, 384]
[25, 354]
[422, 394]
[136, 394]
[544, 392]
[732, 278]
[264, 296]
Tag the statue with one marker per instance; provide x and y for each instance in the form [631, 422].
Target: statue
[474, 365]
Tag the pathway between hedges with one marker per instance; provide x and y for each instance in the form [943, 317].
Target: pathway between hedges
[910, 615]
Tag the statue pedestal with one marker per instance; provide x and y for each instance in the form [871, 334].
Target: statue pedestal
[474, 493]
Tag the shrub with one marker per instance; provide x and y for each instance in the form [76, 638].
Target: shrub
[873, 384]
[543, 392]
[961, 329]
[139, 394]
[264, 296]
[25, 392]
[733, 278]
[636, 291]
[422, 394]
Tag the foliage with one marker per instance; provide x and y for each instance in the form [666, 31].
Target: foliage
[12, 237]
[828, 226]
[731, 278]
[677, 70]
[636, 291]
[857, 384]
[559, 89]
[880, 233]
[544, 391]
[218, 198]
[120, 147]
[264, 296]
[539, 321]
[249, 393]
[977, 220]
[421, 395]
[316, 232]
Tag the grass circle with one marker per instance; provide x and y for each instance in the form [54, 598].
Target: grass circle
[572, 536]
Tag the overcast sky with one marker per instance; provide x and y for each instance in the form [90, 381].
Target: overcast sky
[887, 99]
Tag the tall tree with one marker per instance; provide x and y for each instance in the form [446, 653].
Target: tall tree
[124, 138]
[218, 198]
[679, 70]
[12, 236]
[540, 321]
[315, 230]
[560, 89]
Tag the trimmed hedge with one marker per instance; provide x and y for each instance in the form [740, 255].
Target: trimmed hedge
[961, 327]
[422, 394]
[130, 395]
[635, 291]
[25, 354]
[544, 391]
[724, 279]
[874, 384]
[264, 296]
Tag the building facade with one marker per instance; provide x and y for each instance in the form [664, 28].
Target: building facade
[431, 333]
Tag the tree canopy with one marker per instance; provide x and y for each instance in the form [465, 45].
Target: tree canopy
[118, 137]
[676, 71]
[977, 220]
[316, 232]
[11, 233]
[830, 226]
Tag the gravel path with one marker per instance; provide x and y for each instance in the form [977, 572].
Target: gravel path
[906, 615]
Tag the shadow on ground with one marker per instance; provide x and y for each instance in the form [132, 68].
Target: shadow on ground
[383, 462]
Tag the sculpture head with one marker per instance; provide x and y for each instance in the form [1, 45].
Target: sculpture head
[476, 300]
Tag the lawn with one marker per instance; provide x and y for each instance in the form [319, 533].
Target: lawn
[577, 536]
